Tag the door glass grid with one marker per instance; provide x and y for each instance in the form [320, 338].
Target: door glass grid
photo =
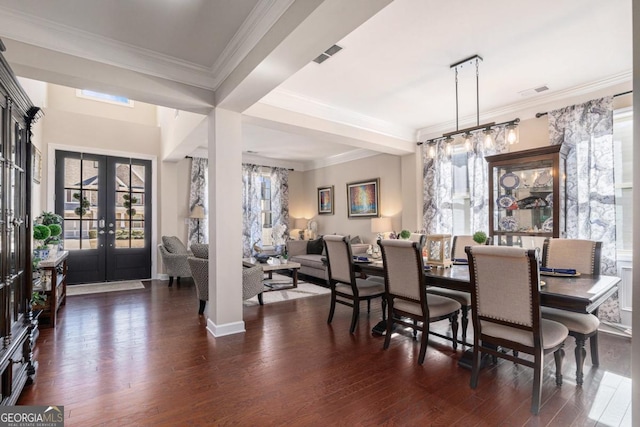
[81, 204]
[130, 205]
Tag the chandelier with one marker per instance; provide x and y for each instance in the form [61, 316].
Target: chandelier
[487, 129]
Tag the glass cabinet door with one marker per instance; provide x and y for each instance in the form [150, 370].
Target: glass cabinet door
[525, 196]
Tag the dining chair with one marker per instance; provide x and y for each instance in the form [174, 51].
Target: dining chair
[505, 297]
[584, 257]
[407, 301]
[458, 254]
[346, 288]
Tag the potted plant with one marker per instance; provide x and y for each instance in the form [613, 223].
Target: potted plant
[40, 234]
[405, 234]
[55, 223]
[480, 237]
[38, 300]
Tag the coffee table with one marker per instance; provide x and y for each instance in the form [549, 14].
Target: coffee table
[270, 268]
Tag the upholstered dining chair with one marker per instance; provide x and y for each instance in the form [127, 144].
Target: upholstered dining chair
[505, 296]
[458, 244]
[584, 257]
[407, 301]
[174, 257]
[346, 289]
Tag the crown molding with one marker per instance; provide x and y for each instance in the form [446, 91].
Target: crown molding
[527, 108]
[57, 37]
[340, 158]
[291, 101]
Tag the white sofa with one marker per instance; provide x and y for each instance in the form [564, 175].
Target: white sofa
[312, 264]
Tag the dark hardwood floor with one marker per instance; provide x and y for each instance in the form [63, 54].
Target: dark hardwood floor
[144, 358]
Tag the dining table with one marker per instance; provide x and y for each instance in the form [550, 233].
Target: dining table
[582, 293]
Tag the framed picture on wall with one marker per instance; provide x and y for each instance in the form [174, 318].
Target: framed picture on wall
[36, 164]
[363, 199]
[325, 200]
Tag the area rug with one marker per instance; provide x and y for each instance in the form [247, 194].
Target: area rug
[303, 290]
[97, 288]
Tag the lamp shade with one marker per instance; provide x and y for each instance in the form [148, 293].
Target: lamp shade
[197, 212]
[300, 223]
[380, 225]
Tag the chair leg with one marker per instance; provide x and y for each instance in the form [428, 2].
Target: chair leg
[465, 323]
[415, 329]
[170, 281]
[355, 315]
[178, 280]
[369, 305]
[537, 384]
[387, 338]
[260, 299]
[423, 340]
[384, 308]
[581, 353]
[454, 329]
[201, 308]
[593, 342]
[332, 309]
[475, 364]
[559, 356]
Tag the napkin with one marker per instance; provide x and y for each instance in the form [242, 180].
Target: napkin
[360, 258]
[558, 270]
[461, 260]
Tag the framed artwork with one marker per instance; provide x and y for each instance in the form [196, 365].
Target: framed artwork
[36, 164]
[363, 199]
[325, 200]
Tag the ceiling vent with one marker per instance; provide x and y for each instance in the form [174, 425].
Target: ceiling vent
[327, 54]
[534, 91]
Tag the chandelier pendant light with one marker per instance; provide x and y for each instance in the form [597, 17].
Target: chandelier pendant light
[488, 129]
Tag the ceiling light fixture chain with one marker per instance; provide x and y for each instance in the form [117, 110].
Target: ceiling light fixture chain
[487, 128]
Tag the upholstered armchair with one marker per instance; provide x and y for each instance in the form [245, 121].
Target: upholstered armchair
[199, 266]
[252, 283]
[174, 257]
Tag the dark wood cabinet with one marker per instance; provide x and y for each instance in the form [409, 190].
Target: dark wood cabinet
[526, 196]
[18, 328]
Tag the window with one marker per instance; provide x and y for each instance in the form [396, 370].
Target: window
[460, 198]
[623, 170]
[104, 97]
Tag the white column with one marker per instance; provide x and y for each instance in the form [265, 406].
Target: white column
[635, 344]
[224, 309]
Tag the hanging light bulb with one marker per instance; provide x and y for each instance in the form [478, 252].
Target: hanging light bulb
[448, 147]
[432, 151]
[488, 138]
[512, 134]
[467, 141]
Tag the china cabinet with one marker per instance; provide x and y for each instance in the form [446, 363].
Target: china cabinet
[526, 195]
[18, 327]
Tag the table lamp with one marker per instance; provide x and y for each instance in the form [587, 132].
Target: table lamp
[380, 225]
[197, 213]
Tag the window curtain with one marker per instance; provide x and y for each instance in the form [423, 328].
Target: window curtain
[587, 132]
[280, 204]
[437, 179]
[199, 195]
[251, 208]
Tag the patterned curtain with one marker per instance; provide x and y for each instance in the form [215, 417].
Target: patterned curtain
[280, 201]
[251, 209]
[587, 131]
[199, 195]
[438, 184]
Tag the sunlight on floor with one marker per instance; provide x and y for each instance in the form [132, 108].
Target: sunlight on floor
[612, 405]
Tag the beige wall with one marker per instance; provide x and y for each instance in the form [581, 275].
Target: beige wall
[383, 166]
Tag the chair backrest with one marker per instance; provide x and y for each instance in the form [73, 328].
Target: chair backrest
[200, 250]
[578, 254]
[339, 259]
[403, 269]
[505, 288]
[174, 245]
[460, 242]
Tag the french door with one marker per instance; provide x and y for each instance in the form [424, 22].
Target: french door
[105, 203]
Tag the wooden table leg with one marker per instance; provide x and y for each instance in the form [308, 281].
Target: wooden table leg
[294, 275]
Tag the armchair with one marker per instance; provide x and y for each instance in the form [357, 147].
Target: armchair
[252, 283]
[174, 256]
[199, 266]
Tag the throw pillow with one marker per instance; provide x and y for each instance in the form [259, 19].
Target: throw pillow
[356, 240]
[173, 245]
[315, 246]
[200, 250]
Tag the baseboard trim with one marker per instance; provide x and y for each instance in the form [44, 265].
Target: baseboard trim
[226, 329]
[163, 276]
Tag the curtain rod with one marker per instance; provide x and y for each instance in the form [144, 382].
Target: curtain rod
[538, 115]
[273, 167]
